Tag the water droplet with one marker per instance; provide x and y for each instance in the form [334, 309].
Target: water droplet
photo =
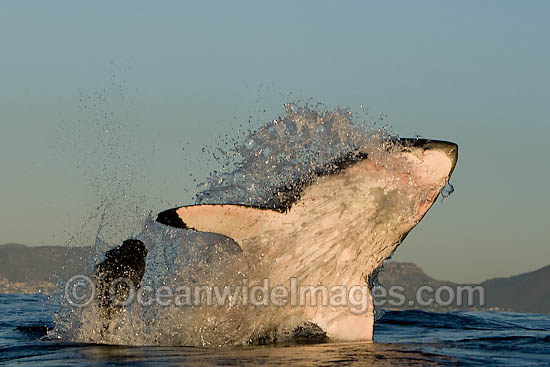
[447, 190]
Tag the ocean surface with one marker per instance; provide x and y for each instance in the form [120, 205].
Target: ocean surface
[402, 338]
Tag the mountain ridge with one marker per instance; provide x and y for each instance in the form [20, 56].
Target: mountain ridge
[36, 269]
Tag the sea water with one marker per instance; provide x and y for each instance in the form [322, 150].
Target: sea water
[402, 338]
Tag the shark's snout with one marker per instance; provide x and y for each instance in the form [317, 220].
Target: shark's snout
[448, 148]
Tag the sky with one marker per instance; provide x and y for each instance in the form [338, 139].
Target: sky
[83, 85]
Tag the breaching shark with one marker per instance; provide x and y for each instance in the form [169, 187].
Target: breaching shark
[334, 226]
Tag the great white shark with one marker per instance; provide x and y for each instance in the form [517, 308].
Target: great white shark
[334, 226]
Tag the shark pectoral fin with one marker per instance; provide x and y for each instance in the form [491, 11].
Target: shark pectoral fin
[236, 221]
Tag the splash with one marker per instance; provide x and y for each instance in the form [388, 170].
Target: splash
[295, 145]
[304, 140]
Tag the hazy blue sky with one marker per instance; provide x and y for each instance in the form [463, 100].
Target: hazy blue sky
[476, 73]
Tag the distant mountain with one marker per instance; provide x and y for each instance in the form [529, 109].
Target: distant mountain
[527, 292]
[411, 278]
[26, 269]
